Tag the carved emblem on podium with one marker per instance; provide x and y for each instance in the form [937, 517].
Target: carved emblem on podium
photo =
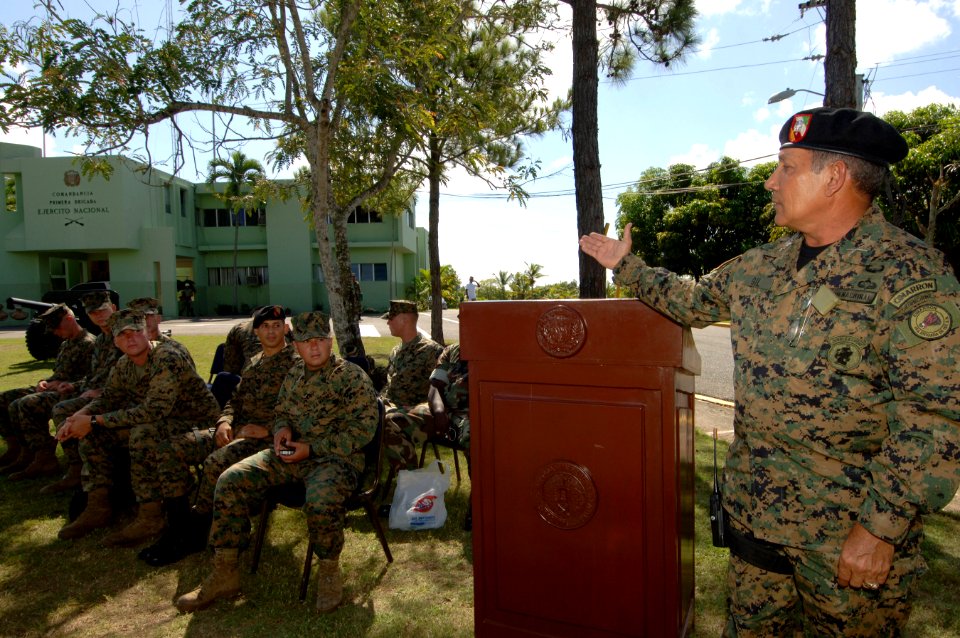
[565, 494]
[561, 331]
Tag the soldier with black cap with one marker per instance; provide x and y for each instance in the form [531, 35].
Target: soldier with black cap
[408, 383]
[99, 308]
[242, 429]
[846, 336]
[326, 413]
[25, 412]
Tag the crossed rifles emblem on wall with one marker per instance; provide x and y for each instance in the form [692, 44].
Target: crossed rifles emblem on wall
[72, 221]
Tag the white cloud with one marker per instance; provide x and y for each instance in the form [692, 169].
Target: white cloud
[761, 114]
[887, 28]
[710, 8]
[710, 40]
[881, 103]
[699, 155]
[754, 145]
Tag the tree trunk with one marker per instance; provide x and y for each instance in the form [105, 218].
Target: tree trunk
[840, 66]
[586, 150]
[436, 308]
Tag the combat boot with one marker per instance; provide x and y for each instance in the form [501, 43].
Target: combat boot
[180, 539]
[329, 585]
[148, 523]
[69, 481]
[24, 459]
[44, 464]
[223, 582]
[96, 514]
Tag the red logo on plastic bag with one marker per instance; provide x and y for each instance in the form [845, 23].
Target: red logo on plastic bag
[424, 503]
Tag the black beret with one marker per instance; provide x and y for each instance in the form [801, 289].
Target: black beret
[267, 313]
[845, 131]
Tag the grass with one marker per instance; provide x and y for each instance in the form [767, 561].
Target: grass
[79, 589]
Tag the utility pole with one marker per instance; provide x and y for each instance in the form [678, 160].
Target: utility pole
[840, 65]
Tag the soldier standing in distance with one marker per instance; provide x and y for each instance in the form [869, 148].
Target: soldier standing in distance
[326, 413]
[846, 337]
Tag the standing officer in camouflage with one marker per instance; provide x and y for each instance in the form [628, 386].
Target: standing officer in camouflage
[99, 308]
[25, 412]
[151, 395]
[326, 413]
[846, 337]
[408, 381]
[243, 429]
[240, 347]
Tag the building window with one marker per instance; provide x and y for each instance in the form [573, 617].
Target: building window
[10, 192]
[412, 219]
[221, 217]
[318, 273]
[166, 198]
[364, 216]
[369, 272]
[245, 276]
[183, 202]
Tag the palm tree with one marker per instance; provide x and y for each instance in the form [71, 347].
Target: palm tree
[503, 280]
[239, 172]
[533, 272]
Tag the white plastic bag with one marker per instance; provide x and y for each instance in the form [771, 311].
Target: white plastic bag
[418, 500]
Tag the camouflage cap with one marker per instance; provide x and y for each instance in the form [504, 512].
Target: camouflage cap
[311, 325]
[146, 305]
[96, 300]
[53, 315]
[126, 319]
[399, 307]
[267, 313]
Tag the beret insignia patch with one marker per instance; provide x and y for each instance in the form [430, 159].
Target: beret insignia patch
[930, 322]
[799, 127]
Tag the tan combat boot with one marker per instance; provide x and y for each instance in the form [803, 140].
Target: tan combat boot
[97, 514]
[69, 481]
[329, 585]
[223, 582]
[148, 523]
[23, 459]
[44, 464]
[12, 453]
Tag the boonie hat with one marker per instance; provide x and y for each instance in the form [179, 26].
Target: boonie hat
[53, 315]
[146, 305]
[845, 131]
[96, 300]
[311, 325]
[399, 307]
[126, 319]
[267, 313]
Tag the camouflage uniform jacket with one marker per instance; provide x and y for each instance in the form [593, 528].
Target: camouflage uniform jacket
[73, 359]
[240, 346]
[105, 356]
[165, 387]
[846, 381]
[255, 399]
[180, 347]
[455, 393]
[408, 371]
[333, 409]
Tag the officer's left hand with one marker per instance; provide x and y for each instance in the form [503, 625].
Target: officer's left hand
[864, 560]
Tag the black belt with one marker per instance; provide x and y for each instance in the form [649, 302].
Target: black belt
[765, 555]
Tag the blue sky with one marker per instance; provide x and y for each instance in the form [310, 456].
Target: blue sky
[712, 104]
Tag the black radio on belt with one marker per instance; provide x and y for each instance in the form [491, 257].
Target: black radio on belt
[717, 516]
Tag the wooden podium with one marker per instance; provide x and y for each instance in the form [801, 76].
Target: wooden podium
[583, 468]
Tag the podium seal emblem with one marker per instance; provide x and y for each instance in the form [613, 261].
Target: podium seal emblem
[565, 494]
[561, 331]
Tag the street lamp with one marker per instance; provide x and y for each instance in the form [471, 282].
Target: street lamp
[788, 93]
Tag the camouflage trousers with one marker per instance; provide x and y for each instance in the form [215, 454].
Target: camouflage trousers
[155, 469]
[765, 604]
[63, 409]
[329, 481]
[7, 429]
[30, 415]
[215, 462]
[405, 429]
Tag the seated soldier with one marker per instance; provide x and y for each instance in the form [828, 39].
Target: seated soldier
[326, 413]
[99, 308]
[152, 394]
[242, 429]
[240, 346]
[408, 381]
[150, 308]
[448, 401]
[25, 412]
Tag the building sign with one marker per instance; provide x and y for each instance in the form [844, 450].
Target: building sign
[72, 203]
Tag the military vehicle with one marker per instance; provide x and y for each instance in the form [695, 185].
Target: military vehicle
[40, 343]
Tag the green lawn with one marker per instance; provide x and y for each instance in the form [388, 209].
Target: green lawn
[54, 588]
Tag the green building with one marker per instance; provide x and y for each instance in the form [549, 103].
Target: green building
[147, 232]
